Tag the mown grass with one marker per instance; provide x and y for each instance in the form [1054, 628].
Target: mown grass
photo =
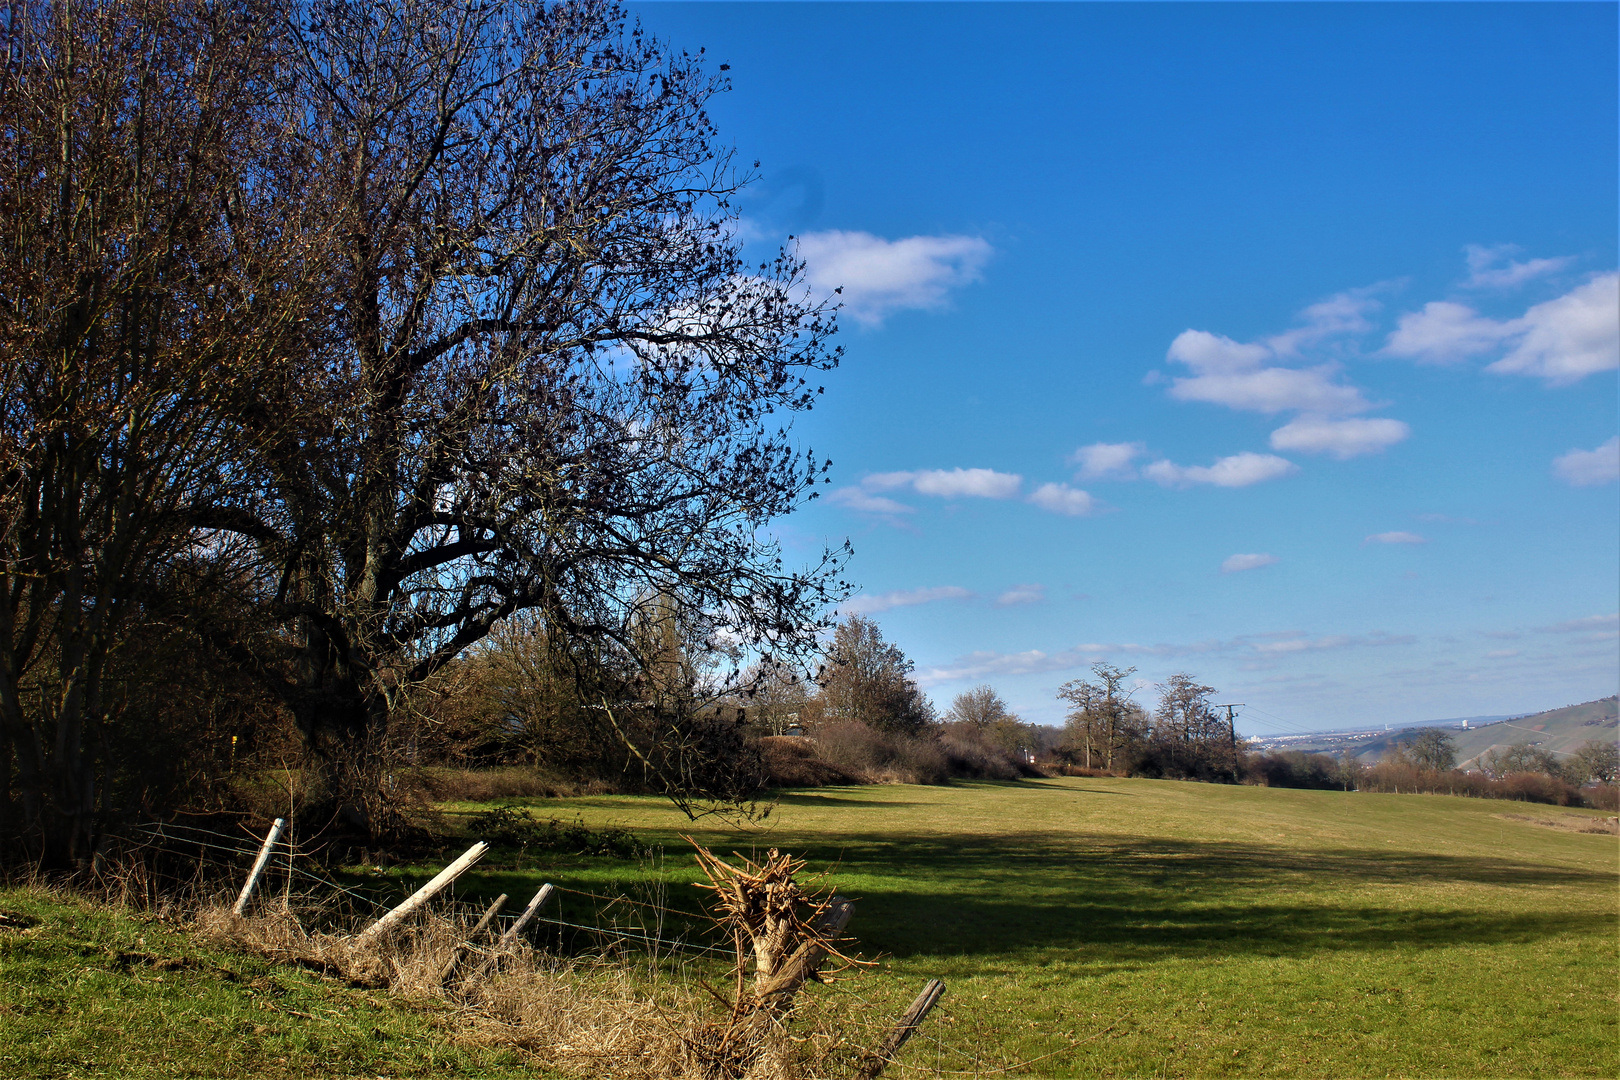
[1135, 927]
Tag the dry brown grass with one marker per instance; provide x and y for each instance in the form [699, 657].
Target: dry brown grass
[596, 1016]
[1577, 823]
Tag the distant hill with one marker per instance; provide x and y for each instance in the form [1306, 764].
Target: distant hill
[1556, 729]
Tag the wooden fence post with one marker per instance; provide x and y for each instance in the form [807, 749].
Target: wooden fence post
[903, 1029]
[448, 972]
[423, 895]
[510, 938]
[258, 867]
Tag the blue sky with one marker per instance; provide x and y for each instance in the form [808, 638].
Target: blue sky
[1273, 343]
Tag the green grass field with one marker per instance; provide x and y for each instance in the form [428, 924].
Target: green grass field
[1139, 927]
[1083, 926]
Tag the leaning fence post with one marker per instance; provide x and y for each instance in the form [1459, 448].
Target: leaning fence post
[258, 867]
[903, 1029]
[423, 895]
[510, 938]
[448, 972]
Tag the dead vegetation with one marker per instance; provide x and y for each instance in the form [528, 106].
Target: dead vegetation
[613, 1013]
[1576, 823]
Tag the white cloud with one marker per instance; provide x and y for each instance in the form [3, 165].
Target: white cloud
[1234, 374]
[1107, 461]
[1395, 538]
[1239, 470]
[1589, 468]
[880, 277]
[1022, 594]
[1445, 333]
[1486, 269]
[854, 498]
[868, 605]
[1562, 340]
[1063, 499]
[1342, 438]
[1237, 563]
[949, 483]
[1571, 337]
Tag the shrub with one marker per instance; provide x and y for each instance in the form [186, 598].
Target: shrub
[880, 757]
[792, 762]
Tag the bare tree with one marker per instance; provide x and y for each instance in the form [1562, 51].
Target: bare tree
[1102, 713]
[1189, 729]
[867, 679]
[545, 379]
[141, 288]
[977, 708]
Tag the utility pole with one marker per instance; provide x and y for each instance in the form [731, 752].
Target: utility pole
[1231, 730]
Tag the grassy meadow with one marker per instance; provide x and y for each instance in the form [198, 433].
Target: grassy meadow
[1085, 927]
[1140, 927]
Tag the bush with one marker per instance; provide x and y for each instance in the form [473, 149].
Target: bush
[880, 757]
[792, 762]
[1293, 769]
[512, 826]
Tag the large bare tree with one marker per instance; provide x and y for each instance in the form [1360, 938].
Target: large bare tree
[544, 379]
[144, 282]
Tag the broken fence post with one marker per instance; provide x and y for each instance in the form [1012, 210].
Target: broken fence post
[258, 867]
[903, 1029]
[448, 972]
[423, 895]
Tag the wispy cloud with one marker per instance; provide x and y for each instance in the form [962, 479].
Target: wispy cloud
[1238, 470]
[880, 277]
[949, 483]
[1264, 649]
[854, 498]
[1108, 461]
[869, 605]
[1491, 266]
[1022, 594]
[1063, 499]
[1590, 468]
[1585, 624]
[1341, 438]
[1236, 564]
[1237, 375]
[1395, 538]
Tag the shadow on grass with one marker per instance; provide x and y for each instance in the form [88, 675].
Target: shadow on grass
[1112, 899]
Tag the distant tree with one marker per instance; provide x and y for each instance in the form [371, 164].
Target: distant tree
[1597, 761]
[869, 680]
[977, 708]
[1188, 730]
[1431, 748]
[1102, 719]
[1525, 757]
[775, 696]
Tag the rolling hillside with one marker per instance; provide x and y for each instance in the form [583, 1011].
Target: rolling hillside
[1556, 729]
[1560, 730]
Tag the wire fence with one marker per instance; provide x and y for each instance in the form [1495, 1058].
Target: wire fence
[295, 862]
